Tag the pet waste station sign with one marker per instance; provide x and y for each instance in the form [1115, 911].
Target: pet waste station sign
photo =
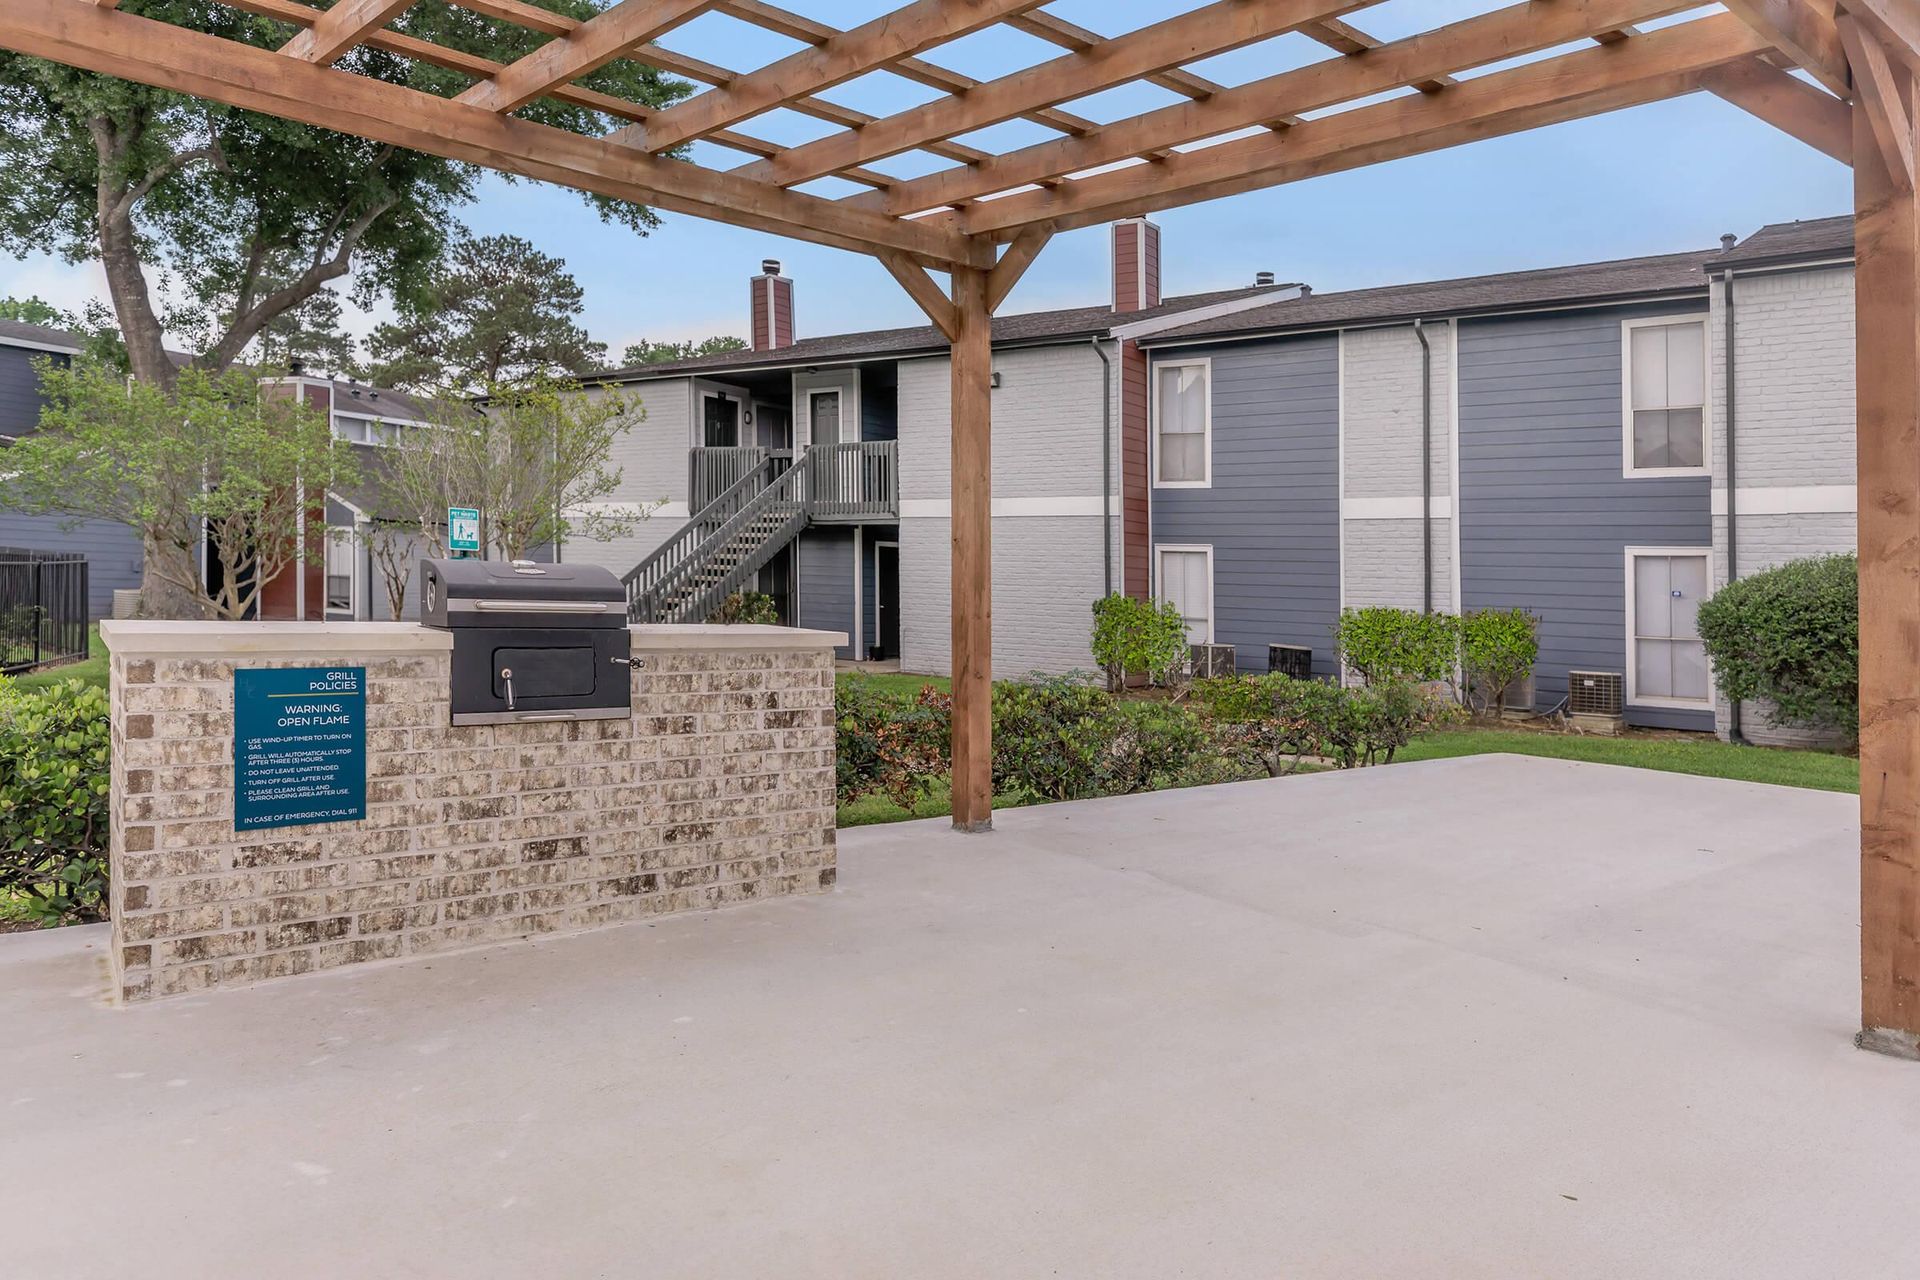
[463, 528]
[299, 746]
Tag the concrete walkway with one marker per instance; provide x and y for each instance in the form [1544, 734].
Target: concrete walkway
[1492, 1017]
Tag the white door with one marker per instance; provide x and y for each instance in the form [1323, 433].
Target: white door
[1668, 662]
[1186, 579]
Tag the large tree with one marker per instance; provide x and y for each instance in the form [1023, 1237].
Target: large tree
[645, 352]
[494, 312]
[245, 218]
[222, 223]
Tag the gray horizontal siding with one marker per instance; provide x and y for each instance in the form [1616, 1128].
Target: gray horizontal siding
[20, 398]
[826, 583]
[1272, 515]
[1545, 515]
[112, 551]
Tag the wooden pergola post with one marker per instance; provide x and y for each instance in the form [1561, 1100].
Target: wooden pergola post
[971, 485]
[1887, 293]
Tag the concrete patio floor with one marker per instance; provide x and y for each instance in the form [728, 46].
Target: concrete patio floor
[1481, 1017]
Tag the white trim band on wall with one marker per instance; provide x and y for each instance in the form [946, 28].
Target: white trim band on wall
[942, 508]
[1792, 500]
[1440, 508]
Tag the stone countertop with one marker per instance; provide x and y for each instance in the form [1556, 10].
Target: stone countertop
[152, 638]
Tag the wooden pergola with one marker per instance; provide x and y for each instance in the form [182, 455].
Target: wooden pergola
[1839, 74]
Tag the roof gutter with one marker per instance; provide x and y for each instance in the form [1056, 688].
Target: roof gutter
[1426, 466]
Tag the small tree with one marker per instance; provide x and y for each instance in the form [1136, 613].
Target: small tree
[1147, 636]
[1791, 635]
[1497, 648]
[534, 459]
[1385, 644]
[213, 455]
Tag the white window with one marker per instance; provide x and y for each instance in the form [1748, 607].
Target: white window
[341, 575]
[1666, 662]
[1183, 424]
[1664, 381]
[1185, 576]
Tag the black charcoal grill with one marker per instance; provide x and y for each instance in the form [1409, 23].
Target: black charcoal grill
[531, 641]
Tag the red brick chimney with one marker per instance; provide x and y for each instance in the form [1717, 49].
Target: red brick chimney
[1136, 264]
[772, 314]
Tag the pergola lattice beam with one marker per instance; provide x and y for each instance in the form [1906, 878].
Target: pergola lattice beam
[1805, 31]
[340, 28]
[590, 46]
[798, 27]
[1199, 33]
[1591, 81]
[846, 56]
[171, 57]
[479, 68]
[1504, 33]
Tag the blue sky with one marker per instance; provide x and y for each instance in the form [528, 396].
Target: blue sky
[1665, 177]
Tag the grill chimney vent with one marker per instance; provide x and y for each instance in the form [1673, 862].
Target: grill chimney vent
[770, 266]
[1262, 278]
[1728, 240]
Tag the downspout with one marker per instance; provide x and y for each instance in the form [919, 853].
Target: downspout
[1733, 547]
[1426, 467]
[1106, 463]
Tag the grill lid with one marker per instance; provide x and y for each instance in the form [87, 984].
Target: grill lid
[468, 593]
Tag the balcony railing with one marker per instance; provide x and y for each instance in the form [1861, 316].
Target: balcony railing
[845, 483]
[711, 472]
[851, 483]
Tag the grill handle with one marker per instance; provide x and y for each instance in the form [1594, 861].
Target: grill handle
[540, 606]
[506, 678]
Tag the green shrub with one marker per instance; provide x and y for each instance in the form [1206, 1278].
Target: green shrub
[1791, 635]
[1383, 644]
[1497, 648]
[1149, 745]
[1049, 735]
[1139, 637]
[1266, 724]
[888, 743]
[54, 752]
[754, 607]
[1271, 723]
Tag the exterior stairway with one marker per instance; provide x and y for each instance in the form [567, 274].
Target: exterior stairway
[718, 550]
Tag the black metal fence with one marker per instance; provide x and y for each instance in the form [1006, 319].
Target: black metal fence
[43, 608]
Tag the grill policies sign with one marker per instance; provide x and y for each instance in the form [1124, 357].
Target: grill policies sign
[299, 746]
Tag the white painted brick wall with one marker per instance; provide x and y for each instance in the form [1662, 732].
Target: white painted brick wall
[1046, 425]
[1380, 458]
[1382, 559]
[1046, 577]
[1794, 357]
[1794, 362]
[1380, 411]
[652, 458]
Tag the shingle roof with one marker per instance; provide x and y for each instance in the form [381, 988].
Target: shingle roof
[1032, 326]
[39, 335]
[1793, 241]
[1589, 282]
[378, 402]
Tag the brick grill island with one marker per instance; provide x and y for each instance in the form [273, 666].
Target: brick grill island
[717, 790]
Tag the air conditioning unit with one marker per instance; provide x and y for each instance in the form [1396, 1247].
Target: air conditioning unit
[1211, 660]
[1291, 660]
[1596, 693]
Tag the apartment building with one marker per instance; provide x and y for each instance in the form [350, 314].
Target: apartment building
[1599, 444]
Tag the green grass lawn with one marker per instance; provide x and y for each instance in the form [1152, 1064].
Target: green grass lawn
[900, 683]
[1707, 757]
[91, 669]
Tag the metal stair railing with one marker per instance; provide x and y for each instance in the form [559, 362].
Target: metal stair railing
[714, 554]
[648, 579]
[737, 550]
